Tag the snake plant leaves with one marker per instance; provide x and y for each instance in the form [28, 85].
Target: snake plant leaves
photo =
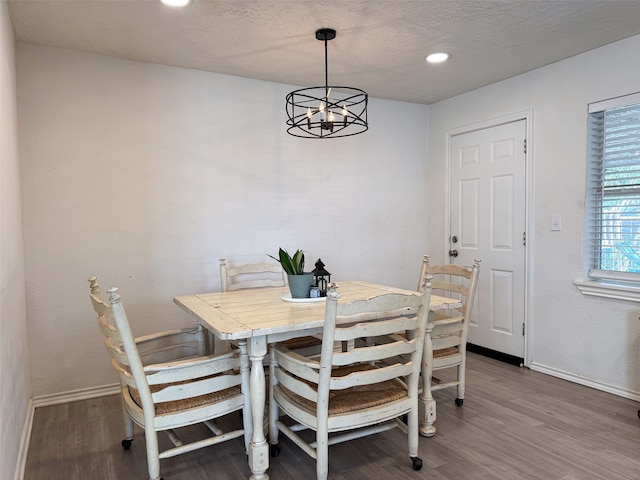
[291, 265]
[298, 262]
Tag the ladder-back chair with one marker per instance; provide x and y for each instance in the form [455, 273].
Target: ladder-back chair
[240, 276]
[448, 345]
[166, 381]
[349, 394]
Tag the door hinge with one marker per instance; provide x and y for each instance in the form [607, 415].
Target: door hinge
[525, 145]
[523, 329]
[524, 238]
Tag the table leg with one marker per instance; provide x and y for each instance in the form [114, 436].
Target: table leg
[245, 373]
[426, 425]
[258, 447]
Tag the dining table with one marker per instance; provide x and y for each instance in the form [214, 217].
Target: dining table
[261, 316]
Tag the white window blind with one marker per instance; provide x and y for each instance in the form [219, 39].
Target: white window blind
[613, 195]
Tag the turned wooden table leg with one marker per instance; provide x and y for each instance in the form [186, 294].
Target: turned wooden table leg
[426, 425]
[258, 447]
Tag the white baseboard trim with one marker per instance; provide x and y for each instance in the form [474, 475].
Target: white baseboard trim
[75, 395]
[621, 392]
[25, 438]
[55, 399]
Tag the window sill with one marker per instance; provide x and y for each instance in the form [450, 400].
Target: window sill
[609, 290]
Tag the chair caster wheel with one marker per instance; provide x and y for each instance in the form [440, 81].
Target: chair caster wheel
[275, 450]
[459, 401]
[417, 463]
[126, 444]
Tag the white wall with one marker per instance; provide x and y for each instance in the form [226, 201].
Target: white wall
[145, 175]
[590, 340]
[15, 388]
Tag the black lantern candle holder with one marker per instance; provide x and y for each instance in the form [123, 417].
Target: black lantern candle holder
[321, 278]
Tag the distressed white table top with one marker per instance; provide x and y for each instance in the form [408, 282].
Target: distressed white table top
[259, 312]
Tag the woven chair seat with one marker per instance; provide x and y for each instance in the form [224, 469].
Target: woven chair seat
[164, 408]
[302, 342]
[445, 352]
[354, 398]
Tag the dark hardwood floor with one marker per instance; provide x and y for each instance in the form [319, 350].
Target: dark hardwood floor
[515, 424]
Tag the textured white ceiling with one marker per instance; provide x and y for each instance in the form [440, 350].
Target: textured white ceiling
[380, 46]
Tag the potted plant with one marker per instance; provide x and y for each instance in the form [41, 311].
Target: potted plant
[299, 280]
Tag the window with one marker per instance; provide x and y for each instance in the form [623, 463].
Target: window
[613, 193]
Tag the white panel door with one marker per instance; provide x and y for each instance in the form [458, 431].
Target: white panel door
[487, 222]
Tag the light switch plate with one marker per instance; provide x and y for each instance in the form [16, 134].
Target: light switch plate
[556, 222]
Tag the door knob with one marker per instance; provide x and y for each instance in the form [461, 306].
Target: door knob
[453, 253]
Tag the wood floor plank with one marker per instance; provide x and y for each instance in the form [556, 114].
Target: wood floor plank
[515, 424]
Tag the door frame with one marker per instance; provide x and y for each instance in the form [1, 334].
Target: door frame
[527, 116]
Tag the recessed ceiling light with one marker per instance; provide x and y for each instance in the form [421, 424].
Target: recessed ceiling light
[176, 3]
[437, 57]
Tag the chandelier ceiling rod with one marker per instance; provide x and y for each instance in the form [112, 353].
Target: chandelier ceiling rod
[326, 34]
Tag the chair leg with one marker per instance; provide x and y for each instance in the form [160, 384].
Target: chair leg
[322, 453]
[413, 437]
[211, 342]
[128, 430]
[461, 380]
[153, 456]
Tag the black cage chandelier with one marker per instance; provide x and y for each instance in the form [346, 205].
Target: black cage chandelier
[329, 111]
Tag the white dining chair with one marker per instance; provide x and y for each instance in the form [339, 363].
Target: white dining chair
[239, 276]
[166, 382]
[448, 346]
[348, 394]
